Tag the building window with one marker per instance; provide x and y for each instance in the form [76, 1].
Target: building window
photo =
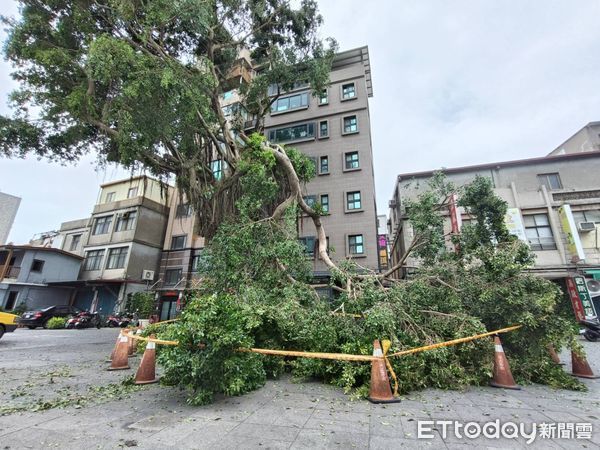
[324, 97]
[592, 215]
[116, 258]
[308, 243]
[290, 103]
[178, 242]
[132, 192]
[102, 225]
[323, 165]
[348, 91]
[126, 221]
[325, 203]
[310, 200]
[293, 133]
[198, 261]
[356, 245]
[93, 260]
[550, 180]
[323, 129]
[75, 239]
[538, 232]
[172, 276]
[353, 201]
[37, 265]
[110, 197]
[350, 125]
[217, 168]
[184, 210]
[351, 161]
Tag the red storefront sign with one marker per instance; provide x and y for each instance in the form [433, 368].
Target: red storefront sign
[575, 300]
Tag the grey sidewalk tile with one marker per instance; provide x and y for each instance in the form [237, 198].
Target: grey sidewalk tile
[326, 439]
[273, 432]
[280, 415]
[391, 443]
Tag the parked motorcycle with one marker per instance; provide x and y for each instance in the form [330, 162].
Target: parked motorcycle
[84, 319]
[592, 330]
[113, 320]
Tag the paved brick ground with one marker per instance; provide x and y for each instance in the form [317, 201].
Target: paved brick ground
[51, 366]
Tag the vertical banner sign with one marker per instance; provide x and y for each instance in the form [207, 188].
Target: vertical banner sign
[383, 253]
[514, 223]
[580, 298]
[455, 218]
[568, 225]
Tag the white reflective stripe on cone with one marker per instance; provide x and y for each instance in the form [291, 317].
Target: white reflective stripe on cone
[499, 348]
[123, 338]
[377, 352]
[151, 345]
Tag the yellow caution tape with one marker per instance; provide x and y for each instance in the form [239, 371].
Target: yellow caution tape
[454, 341]
[141, 338]
[165, 321]
[335, 356]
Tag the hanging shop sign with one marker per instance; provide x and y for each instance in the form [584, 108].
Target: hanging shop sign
[583, 307]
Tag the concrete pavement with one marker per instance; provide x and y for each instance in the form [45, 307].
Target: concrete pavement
[82, 405]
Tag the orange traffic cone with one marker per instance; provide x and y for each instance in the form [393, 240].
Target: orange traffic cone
[119, 360]
[112, 354]
[380, 391]
[146, 373]
[581, 368]
[553, 354]
[502, 375]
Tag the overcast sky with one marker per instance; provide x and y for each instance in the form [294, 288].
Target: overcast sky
[455, 83]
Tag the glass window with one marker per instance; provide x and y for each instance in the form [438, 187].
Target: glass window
[126, 221]
[348, 91]
[350, 124]
[116, 258]
[310, 200]
[293, 133]
[178, 242]
[93, 260]
[587, 216]
[324, 97]
[172, 276]
[351, 160]
[198, 260]
[538, 232]
[353, 201]
[325, 202]
[37, 265]
[75, 239]
[323, 164]
[218, 167]
[288, 103]
[133, 192]
[550, 180]
[183, 210]
[110, 197]
[309, 245]
[102, 225]
[355, 244]
[323, 129]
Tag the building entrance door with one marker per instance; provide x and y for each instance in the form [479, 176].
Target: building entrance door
[12, 299]
[168, 308]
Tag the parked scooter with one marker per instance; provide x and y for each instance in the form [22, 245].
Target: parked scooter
[113, 320]
[84, 319]
[592, 329]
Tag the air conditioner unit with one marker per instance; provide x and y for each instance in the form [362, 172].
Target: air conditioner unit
[586, 226]
[147, 275]
[593, 287]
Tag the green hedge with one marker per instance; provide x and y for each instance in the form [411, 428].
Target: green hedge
[56, 323]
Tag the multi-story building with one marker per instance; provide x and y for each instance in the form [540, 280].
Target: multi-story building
[585, 140]
[121, 242]
[334, 129]
[179, 261]
[554, 206]
[36, 276]
[9, 205]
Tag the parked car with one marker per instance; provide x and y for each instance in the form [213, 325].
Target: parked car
[39, 318]
[8, 323]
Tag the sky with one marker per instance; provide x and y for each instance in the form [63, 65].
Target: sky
[455, 83]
